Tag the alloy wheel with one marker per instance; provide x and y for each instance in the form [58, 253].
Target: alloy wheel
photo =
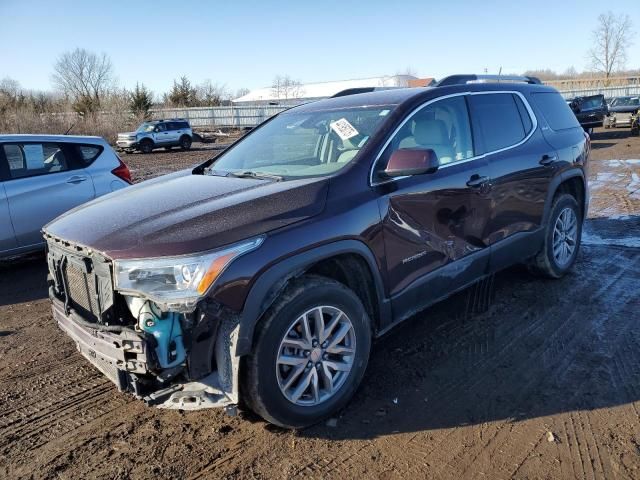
[315, 356]
[565, 233]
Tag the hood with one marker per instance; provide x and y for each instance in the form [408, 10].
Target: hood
[186, 213]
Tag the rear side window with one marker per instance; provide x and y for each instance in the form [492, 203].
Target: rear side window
[181, 125]
[88, 153]
[31, 159]
[497, 117]
[555, 110]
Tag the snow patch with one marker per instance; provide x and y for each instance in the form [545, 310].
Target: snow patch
[592, 239]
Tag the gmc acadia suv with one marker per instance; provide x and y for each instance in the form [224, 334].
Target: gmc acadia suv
[157, 134]
[262, 276]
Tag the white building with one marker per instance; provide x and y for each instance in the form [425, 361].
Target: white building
[290, 94]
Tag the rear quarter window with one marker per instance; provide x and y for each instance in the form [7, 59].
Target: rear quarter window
[88, 153]
[555, 110]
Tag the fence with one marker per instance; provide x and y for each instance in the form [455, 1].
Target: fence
[608, 92]
[203, 117]
[250, 116]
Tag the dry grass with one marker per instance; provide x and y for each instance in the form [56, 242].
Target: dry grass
[102, 124]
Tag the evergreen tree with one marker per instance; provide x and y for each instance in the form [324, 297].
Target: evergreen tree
[141, 100]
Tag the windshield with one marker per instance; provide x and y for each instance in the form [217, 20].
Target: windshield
[304, 144]
[625, 101]
[146, 127]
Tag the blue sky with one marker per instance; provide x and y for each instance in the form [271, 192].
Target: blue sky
[245, 43]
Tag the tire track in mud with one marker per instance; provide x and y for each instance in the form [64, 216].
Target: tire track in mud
[556, 351]
[561, 363]
[63, 412]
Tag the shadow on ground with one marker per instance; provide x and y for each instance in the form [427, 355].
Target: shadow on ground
[543, 347]
[23, 280]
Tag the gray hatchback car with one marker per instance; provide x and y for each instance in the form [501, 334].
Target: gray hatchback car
[43, 176]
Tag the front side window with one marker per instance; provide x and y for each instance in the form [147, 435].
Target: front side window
[30, 159]
[498, 120]
[442, 126]
[146, 127]
[304, 144]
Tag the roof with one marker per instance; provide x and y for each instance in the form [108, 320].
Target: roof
[394, 97]
[28, 137]
[322, 89]
[376, 98]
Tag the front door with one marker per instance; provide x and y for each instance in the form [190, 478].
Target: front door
[433, 223]
[161, 134]
[43, 183]
[7, 237]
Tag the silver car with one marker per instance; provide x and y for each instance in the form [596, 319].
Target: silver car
[43, 176]
[167, 134]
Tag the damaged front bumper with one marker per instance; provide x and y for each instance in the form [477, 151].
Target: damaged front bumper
[127, 358]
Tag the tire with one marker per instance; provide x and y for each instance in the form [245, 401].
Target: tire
[263, 379]
[548, 262]
[146, 146]
[185, 142]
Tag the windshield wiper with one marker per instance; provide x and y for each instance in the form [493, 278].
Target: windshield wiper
[258, 175]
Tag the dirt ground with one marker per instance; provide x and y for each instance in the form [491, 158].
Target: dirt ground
[516, 377]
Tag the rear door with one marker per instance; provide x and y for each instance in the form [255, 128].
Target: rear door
[433, 223]
[45, 179]
[521, 164]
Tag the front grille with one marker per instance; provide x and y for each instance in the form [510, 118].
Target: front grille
[81, 289]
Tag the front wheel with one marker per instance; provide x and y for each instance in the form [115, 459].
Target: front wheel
[310, 354]
[562, 238]
[146, 146]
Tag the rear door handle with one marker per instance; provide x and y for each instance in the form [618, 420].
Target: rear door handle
[547, 160]
[77, 179]
[476, 181]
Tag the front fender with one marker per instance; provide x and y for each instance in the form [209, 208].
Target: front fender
[271, 282]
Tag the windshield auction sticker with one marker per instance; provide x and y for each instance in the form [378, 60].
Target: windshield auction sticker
[343, 128]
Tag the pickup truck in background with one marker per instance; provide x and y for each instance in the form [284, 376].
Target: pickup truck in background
[621, 111]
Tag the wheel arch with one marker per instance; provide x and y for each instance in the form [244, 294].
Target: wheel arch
[349, 262]
[571, 182]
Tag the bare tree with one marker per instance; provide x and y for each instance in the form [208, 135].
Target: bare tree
[241, 92]
[83, 76]
[612, 38]
[211, 94]
[284, 87]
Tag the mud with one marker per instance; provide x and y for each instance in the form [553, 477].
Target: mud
[517, 377]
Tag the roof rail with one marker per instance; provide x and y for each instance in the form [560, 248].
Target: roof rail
[356, 90]
[472, 78]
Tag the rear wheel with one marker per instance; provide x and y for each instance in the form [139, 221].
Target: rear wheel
[185, 142]
[310, 354]
[562, 238]
[146, 146]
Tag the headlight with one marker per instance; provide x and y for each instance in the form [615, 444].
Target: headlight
[177, 283]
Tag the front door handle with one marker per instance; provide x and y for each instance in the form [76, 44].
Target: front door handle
[77, 179]
[547, 160]
[476, 181]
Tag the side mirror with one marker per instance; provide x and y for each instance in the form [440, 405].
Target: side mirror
[575, 106]
[405, 162]
[156, 130]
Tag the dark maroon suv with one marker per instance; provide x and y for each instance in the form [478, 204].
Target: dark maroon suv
[261, 277]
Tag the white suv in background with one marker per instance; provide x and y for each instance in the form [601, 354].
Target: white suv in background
[175, 132]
